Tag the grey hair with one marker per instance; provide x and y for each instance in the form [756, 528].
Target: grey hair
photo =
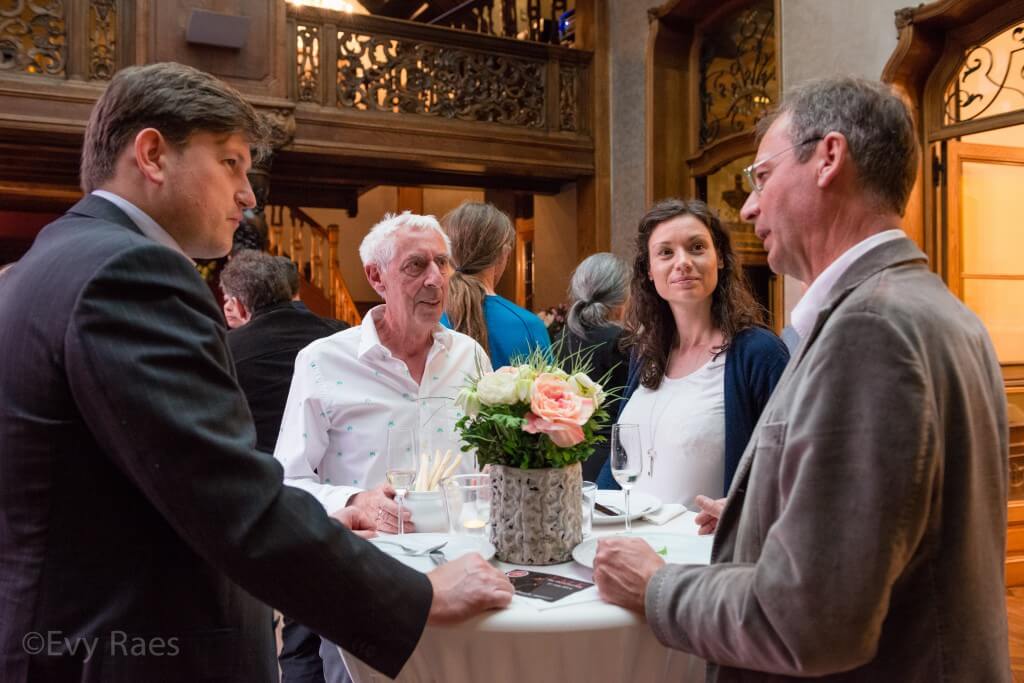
[255, 278]
[876, 123]
[598, 284]
[378, 247]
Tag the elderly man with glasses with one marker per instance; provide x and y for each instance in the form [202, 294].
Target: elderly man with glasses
[863, 536]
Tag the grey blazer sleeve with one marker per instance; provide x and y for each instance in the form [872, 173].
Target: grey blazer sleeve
[148, 365]
[852, 449]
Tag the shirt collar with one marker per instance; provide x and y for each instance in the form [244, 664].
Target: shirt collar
[369, 339]
[816, 296]
[149, 227]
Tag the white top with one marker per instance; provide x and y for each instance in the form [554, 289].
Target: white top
[806, 310]
[685, 420]
[149, 227]
[348, 390]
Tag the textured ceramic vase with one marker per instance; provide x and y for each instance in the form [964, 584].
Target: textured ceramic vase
[536, 515]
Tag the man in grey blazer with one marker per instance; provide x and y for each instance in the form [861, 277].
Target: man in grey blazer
[863, 536]
[140, 530]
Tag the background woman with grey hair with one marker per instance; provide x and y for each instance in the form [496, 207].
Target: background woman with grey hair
[598, 292]
[482, 238]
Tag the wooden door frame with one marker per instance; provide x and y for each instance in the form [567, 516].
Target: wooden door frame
[956, 154]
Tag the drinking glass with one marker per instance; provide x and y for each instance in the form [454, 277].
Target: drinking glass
[626, 459]
[468, 498]
[403, 461]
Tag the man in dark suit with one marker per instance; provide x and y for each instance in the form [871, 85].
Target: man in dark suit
[140, 532]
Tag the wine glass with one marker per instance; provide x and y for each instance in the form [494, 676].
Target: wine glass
[403, 458]
[626, 459]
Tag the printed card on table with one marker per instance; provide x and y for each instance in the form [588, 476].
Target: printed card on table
[549, 587]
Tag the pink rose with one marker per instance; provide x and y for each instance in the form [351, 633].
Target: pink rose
[564, 435]
[557, 410]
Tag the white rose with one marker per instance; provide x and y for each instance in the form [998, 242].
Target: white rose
[587, 388]
[498, 388]
[468, 401]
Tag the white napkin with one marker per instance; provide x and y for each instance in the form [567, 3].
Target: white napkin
[668, 512]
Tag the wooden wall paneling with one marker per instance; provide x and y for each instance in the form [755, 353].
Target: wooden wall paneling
[669, 96]
[257, 68]
[1015, 544]
[593, 190]
[411, 199]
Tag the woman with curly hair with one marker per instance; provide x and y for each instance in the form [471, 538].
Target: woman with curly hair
[703, 363]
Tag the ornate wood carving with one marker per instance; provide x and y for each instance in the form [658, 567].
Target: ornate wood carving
[737, 73]
[33, 36]
[568, 97]
[388, 74]
[307, 62]
[280, 125]
[102, 38]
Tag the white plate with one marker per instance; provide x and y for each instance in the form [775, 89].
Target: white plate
[676, 549]
[458, 545]
[640, 504]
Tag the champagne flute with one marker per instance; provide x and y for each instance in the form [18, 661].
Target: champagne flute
[403, 458]
[626, 459]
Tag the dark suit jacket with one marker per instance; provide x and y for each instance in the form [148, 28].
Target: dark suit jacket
[264, 351]
[132, 503]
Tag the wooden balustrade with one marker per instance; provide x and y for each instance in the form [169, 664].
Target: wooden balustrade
[314, 251]
[364, 63]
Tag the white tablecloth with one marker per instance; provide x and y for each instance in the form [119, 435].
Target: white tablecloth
[577, 639]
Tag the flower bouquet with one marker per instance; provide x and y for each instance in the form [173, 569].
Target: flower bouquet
[533, 423]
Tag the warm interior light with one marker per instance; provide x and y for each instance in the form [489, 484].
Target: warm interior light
[336, 5]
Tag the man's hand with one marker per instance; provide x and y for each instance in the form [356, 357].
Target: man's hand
[622, 569]
[378, 504]
[710, 512]
[356, 520]
[466, 587]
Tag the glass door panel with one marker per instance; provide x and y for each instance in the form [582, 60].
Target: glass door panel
[985, 242]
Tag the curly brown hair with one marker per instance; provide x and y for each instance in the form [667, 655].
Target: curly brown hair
[651, 329]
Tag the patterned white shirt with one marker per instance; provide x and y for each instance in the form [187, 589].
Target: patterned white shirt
[348, 391]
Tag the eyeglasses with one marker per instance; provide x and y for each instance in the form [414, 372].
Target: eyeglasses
[752, 184]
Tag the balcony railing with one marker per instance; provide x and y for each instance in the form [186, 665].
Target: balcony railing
[363, 63]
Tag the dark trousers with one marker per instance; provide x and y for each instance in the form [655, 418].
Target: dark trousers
[300, 654]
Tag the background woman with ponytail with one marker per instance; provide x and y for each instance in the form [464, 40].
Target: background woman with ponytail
[482, 238]
[598, 292]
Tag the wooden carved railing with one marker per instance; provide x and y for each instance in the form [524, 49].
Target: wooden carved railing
[314, 251]
[365, 63]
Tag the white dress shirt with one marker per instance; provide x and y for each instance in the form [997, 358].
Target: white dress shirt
[149, 227]
[348, 391]
[814, 299]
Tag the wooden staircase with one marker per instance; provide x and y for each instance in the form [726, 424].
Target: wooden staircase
[314, 251]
